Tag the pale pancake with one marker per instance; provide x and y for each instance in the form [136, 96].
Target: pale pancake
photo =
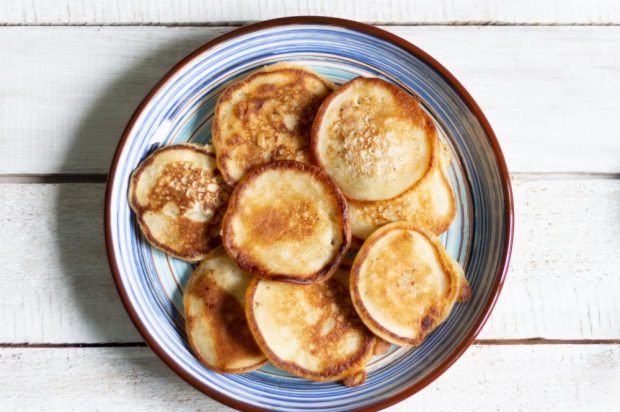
[311, 331]
[265, 117]
[287, 221]
[179, 198]
[374, 139]
[430, 204]
[216, 325]
[404, 283]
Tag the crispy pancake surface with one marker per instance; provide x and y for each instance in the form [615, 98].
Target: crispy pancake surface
[404, 283]
[430, 204]
[287, 221]
[179, 198]
[373, 139]
[215, 319]
[311, 331]
[266, 117]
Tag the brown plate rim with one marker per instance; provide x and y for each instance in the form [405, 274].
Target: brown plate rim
[379, 33]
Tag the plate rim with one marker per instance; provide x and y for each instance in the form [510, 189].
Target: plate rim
[375, 32]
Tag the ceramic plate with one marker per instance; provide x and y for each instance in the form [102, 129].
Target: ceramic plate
[180, 109]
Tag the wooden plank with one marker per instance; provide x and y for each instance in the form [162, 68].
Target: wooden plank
[506, 378]
[549, 92]
[564, 276]
[66, 115]
[223, 11]
[55, 284]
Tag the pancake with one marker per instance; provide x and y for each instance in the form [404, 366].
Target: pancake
[216, 326]
[381, 347]
[355, 379]
[266, 117]
[310, 331]
[404, 283]
[373, 139]
[430, 204]
[179, 198]
[287, 221]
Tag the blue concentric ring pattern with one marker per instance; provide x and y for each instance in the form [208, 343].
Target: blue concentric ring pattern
[181, 111]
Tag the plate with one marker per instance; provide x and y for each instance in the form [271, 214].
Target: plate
[180, 109]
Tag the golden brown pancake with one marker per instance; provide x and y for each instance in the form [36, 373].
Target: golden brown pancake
[216, 325]
[287, 221]
[311, 331]
[266, 117]
[374, 139]
[430, 204]
[179, 198]
[381, 347]
[355, 379]
[404, 283]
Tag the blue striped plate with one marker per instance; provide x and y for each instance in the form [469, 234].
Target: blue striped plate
[180, 109]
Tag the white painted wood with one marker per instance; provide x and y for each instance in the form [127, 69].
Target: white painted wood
[402, 11]
[549, 92]
[564, 276]
[55, 282]
[71, 106]
[55, 285]
[507, 378]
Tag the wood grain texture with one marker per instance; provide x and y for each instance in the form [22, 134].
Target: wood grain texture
[564, 271]
[506, 378]
[386, 11]
[549, 92]
[55, 282]
[56, 287]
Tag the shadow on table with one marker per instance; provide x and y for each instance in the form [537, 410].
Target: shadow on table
[79, 212]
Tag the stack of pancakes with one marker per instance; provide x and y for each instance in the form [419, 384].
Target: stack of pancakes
[302, 176]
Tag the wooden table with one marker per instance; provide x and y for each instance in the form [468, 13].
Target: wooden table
[546, 73]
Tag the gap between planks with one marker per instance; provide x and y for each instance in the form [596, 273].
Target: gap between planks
[52, 178]
[478, 342]
[235, 24]
[102, 178]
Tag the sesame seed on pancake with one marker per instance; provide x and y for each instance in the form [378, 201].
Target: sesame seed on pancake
[179, 198]
[404, 283]
[287, 221]
[266, 116]
[374, 139]
[216, 325]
